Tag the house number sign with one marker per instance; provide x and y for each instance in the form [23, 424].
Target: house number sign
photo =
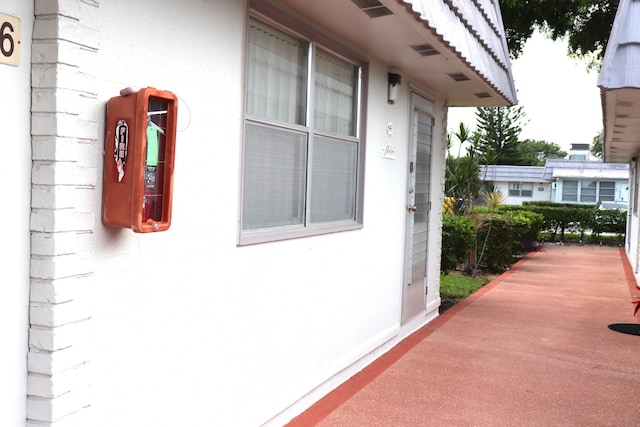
[9, 40]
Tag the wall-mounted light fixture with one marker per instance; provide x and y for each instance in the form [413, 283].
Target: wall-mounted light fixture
[394, 88]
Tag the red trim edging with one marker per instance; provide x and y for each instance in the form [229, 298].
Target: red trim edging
[334, 399]
[634, 289]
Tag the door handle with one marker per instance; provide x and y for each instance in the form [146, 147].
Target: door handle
[412, 208]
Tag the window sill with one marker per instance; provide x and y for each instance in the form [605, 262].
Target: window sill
[287, 233]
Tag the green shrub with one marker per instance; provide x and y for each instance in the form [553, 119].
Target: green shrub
[609, 221]
[562, 217]
[576, 218]
[495, 241]
[457, 240]
[527, 226]
[545, 203]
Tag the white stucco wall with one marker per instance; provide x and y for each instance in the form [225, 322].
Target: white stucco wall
[537, 195]
[622, 191]
[190, 329]
[15, 174]
[632, 243]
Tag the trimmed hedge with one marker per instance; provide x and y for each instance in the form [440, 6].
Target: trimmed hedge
[495, 242]
[608, 221]
[493, 238]
[527, 226]
[575, 217]
[488, 238]
[457, 240]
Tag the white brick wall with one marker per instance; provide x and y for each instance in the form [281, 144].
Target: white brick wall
[64, 175]
[56, 291]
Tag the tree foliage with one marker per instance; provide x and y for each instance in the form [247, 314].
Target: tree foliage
[462, 174]
[462, 177]
[586, 24]
[536, 152]
[498, 133]
[596, 146]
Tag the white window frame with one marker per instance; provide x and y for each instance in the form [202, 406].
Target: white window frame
[580, 193]
[516, 189]
[316, 41]
[613, 189]
[577, 194]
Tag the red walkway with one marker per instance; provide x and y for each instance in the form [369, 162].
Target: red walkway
[538, 346]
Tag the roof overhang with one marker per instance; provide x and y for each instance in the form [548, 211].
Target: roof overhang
[621, 116]
[619, 83]
[615, 174]
[459, 55]
[511, 173]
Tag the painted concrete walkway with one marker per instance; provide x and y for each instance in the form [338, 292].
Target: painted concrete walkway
[538, 346]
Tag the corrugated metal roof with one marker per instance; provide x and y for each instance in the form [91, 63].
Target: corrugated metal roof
[554, 169]
[474, 30]
[455, 49]
[621, 66]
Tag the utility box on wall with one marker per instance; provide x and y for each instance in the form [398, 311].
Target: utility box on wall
[139, 160]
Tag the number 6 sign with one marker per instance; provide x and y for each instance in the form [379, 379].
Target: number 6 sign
[9, 40]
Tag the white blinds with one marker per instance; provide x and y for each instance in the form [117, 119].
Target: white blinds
[274, 178]
[333, 190]
[334, 95]
[297, 173]
[276, 80]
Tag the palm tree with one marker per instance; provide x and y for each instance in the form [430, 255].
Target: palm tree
[462, 176]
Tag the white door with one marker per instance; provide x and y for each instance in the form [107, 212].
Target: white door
[418, 206]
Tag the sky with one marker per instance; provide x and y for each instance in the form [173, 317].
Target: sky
[559, 96]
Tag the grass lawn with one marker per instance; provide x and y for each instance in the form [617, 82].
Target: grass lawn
[456, 287]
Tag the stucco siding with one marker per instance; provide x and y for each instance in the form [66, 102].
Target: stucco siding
[191, 329]
[536, 195]
[632, 243]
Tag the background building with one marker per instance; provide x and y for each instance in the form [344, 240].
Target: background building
[561, 181]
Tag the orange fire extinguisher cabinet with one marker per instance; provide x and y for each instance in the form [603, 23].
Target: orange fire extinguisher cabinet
[139, 160]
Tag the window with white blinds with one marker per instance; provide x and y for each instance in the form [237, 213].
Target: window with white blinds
[302, 146]
[587, 191]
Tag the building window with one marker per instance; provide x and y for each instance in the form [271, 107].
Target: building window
[521, 189]
[588, 191]
[607, 191]
[569, 191]
[302, 147]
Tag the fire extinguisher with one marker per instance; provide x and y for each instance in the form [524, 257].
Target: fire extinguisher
[152, 194]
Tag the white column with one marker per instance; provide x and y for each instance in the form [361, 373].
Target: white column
[63, 204]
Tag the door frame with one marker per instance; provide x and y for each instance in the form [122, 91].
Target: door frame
[418, 104]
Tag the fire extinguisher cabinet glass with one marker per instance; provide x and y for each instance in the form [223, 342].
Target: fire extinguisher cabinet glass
[139, 160]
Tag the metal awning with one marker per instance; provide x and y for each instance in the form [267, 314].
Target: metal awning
[510, 173]
[599, 174]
